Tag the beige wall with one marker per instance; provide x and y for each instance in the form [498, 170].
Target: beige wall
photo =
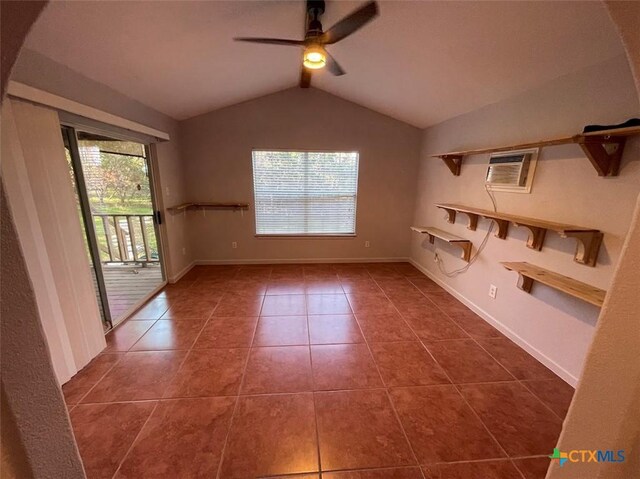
[217, 149]
[554, 327]
[40, 72]
[604, 411]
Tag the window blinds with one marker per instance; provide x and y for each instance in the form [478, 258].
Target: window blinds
[305, 193]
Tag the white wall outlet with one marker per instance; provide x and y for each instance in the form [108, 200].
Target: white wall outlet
[167, 191]
[493, 290]
[367, 244]
[234, 244]
[184, 251]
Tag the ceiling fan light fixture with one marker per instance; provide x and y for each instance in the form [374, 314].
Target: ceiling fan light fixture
[314, 58]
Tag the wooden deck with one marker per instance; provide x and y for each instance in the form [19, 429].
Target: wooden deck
[127, 285]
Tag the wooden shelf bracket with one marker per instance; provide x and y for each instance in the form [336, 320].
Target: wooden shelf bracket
[536, 236]
[524, 283]
[503, 227]
[589, 240]
[451, 215]
[473, 221]
[603, 149]
[453, 162]
[587, 247]
[604, 152]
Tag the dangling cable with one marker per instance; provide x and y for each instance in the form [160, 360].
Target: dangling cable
[452, 274]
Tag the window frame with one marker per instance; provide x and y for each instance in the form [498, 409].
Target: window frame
[306, 235]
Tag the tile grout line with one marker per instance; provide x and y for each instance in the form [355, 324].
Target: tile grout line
[313, 396]
[473, 461]
[464, 399]
[519, 381]
[124, 354]
[206, 322]
[236, 405]
[456, 388]
[386, 389]
[313, 392]
[313, 383]
[523, 383]
[157, 401]
[124, 458]
[96, 383]
[475, 413]
[126, 321]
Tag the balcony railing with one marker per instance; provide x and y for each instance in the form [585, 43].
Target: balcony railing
[124, 238]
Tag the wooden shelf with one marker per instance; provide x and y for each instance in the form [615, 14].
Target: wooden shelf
[603, 149]
[530, 273]
[433, 233]
[588, 239]
[186, 206]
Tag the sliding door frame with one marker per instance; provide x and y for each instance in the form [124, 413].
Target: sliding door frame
[157, 215]
[71, 130]
[72, 139]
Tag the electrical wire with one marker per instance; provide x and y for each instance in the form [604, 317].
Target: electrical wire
[456, 272]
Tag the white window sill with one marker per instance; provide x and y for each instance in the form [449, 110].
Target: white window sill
[306, 236]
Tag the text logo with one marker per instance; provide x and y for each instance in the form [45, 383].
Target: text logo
[587, 455]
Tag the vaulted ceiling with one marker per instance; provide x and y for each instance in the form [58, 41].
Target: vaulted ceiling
[421, 62]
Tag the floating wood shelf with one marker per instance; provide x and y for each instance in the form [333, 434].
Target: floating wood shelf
[588, 239]
[186, 206]
[462, 243]
[530, 273]
[603, 149]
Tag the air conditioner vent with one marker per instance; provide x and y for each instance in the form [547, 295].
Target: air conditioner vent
[510, 172]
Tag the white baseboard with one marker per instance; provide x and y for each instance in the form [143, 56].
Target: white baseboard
[547, 361]
[176, 277]
[203, 262]
[301, 260]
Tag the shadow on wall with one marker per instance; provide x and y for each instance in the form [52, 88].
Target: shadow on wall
[14, 461]
[581, 311]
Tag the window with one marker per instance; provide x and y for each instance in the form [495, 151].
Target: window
[305, 192]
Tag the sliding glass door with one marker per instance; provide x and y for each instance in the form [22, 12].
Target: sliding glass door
[116, 201]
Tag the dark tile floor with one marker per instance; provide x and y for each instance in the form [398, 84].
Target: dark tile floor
[349, 371]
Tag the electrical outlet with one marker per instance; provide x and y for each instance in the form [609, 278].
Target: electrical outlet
[367, 244]
[167, 191]
[234, 244]
[184, 251]
[493, 290]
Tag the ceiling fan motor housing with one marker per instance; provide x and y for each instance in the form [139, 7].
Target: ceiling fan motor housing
[317, 5]
[315, 8]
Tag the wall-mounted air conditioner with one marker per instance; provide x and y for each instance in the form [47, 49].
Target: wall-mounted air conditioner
[511, 171]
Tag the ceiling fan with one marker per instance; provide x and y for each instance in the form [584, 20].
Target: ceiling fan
[315, 54]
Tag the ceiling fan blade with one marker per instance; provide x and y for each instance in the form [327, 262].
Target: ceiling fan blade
[333, 66]
[350, 23]
[305, 78]
[271, 41]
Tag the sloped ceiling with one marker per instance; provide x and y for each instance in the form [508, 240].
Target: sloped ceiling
[420, 62]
